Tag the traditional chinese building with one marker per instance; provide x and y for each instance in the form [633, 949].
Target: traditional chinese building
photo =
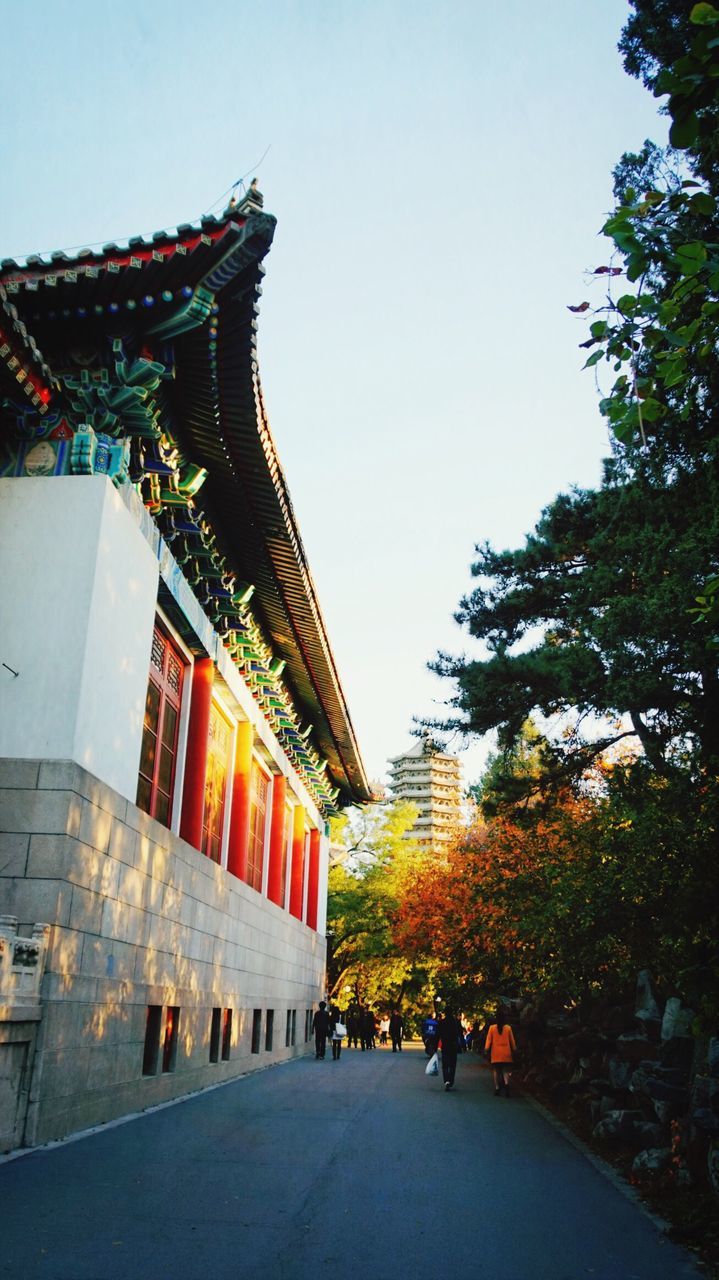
[174, 736]
[428, 778]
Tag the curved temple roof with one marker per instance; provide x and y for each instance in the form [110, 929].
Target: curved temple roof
[187, 302]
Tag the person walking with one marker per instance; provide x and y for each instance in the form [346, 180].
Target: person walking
[367, 1028]
[396, 1029]
[429, 1034]
[449, 1033]
[500, 1047]
[335, 1024]
[383, 1029]
[353, 1026]
[321, 1026]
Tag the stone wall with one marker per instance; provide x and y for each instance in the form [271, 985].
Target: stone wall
[22, 960]
[138, 918]
[632, 1075]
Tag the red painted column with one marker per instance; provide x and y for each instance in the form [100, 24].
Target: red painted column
[277, 839]
[313, 879]
[193, 791]
[239, 842]
[298, 862]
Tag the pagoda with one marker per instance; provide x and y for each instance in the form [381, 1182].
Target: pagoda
[430, 779]
[174, 736]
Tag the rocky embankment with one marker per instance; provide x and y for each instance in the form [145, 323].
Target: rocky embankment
[635, 1078]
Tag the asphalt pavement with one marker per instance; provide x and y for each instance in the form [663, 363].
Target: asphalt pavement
[359, 1168]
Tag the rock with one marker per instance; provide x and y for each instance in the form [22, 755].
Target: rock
[641, 1074]
[580, 1043]
[618, 1125]
[706, 1121]
[651, 1163]
[705, 1093]
[633, 1048]
[608, 1105]
[651, 1027]
[617, 1019]
[662, 1091]
[713, 1057]
[664, 1112]
[671, 1075]
[648, 1134]
[562, 1022]
[562, 1091]
[620, 1073]
[677, 1019]
[678, 1051]
[645, 1006]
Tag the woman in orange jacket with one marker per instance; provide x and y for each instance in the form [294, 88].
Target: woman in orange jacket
[500, 1045]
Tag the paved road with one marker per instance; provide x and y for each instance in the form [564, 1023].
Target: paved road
[358, 1168]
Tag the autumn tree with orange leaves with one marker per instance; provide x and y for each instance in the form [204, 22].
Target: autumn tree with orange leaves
[573, 894]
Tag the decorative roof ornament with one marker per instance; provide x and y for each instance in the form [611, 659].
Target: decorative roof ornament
[253, 201]
[121, 408]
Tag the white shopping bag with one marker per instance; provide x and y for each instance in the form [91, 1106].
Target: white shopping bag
[432, 1068]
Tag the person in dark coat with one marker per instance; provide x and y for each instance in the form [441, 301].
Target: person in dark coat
[353, 1027]
[321, 1027]
[396, 1029]
[449, 1033]
[368, 1028]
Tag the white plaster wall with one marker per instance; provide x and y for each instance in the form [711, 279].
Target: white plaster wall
[77, 602]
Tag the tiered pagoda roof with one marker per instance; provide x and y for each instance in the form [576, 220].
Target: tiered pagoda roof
[139, 361]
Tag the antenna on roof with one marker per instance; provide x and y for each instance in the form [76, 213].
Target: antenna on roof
[232, 191]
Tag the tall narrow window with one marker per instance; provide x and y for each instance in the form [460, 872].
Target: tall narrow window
[153, 1025]
[269, 1029]
[218, 754]
[258, 825]
[169, 1047]
[215, 1035]
[158, 755]
[256, 1029]
[226, 1035]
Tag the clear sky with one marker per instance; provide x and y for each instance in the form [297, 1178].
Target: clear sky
[439, 172]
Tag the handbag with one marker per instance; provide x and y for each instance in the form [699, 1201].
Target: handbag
[432, 1068]
[340, 1030]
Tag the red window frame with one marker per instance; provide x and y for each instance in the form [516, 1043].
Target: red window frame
[158, 767]
[218, 761]
[259, 807]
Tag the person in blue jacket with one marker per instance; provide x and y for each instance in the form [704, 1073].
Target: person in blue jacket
[429, 1034]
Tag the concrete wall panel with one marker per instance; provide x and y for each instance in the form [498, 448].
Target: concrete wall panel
[138, 923]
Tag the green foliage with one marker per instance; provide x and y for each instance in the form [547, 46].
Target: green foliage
[659, 331]
[590, 616]
[660, 339]
[606, 619]
[692, 81]
[511, 776]
[658, 839]
[665, 38]
[365, 890]
[577, 896]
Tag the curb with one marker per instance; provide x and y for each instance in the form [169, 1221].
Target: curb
[600, 1165]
